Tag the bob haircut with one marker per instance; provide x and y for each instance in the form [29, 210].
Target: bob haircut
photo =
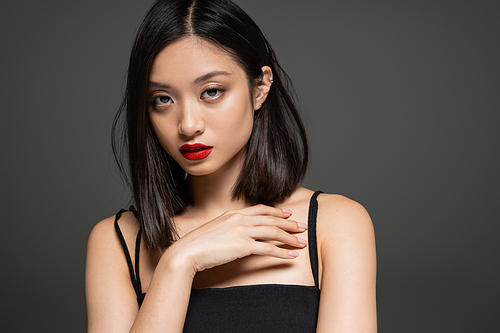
[276, 153]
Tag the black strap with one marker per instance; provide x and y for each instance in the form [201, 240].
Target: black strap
[137, 252]
[311, 231]
[135, 281]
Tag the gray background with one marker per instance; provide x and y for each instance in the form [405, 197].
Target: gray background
[401, 101]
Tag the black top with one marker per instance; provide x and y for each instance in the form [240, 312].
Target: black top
[252, 308]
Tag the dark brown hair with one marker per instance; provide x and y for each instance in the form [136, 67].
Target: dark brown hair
[277, 154]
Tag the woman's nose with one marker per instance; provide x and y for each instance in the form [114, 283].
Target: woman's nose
[190, 122]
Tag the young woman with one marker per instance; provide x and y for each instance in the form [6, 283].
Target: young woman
[223, 239]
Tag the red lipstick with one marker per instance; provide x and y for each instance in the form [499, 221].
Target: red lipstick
[195, 152]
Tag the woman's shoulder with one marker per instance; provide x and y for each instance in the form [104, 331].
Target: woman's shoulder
[345, 232]
[335, 212]
[340, 207]
[104, 234]
[337, 215]
[330, 205]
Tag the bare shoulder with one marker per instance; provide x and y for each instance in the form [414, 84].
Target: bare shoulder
[104, 250]
[345, 235]
[105, 231]
[338, 204]
[341, 216]
[338, 216]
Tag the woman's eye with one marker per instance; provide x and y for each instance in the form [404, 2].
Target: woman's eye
[161, 100]
[212, 93]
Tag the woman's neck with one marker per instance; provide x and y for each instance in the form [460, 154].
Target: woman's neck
[212, 193]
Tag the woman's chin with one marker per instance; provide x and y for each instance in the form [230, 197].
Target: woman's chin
[199, 170]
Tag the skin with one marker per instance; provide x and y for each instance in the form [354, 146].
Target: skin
[224, 242]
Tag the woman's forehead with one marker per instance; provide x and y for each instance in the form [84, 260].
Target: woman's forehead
[191, 58]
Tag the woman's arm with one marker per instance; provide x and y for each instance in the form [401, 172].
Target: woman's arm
[347, 248]
[111, 301]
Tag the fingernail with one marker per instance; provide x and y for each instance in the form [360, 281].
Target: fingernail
[294, 254]
[302, 225]
[286, 211]
[302, 241]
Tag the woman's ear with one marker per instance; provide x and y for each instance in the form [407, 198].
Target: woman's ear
[263, 87]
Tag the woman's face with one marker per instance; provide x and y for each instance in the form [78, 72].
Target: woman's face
[201, 106]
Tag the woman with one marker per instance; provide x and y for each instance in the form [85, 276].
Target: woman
[224, 239]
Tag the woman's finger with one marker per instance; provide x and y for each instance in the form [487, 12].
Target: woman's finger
[268, 249]
[284, 224]
[276, 234]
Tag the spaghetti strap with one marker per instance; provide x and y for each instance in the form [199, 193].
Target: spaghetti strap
[137, 252]
[311, 232]
[134, 277]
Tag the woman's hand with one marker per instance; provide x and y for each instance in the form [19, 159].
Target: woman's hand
[237, 234]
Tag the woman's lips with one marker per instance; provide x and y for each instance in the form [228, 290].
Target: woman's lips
[194, 152]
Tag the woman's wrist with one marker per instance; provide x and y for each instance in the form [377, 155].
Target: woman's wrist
[177, 261]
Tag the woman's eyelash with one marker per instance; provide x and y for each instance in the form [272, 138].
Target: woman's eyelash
[217, 90]
[155, 100]
[210, 93]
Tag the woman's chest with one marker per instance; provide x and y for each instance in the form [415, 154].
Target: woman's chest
[254, 270]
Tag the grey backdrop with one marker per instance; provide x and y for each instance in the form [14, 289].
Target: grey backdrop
[401, 102]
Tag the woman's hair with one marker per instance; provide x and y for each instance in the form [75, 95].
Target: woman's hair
[276, 153]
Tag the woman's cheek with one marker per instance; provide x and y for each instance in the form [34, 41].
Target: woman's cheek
[166, 142]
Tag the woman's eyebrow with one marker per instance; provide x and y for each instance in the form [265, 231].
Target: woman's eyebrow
[159, 85]
[200, 79]
[210, 75]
